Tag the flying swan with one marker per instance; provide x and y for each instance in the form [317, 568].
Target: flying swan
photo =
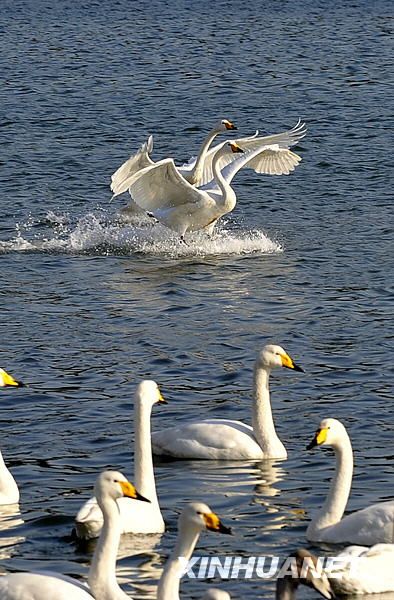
[135, 517]
[9, 492]
[195, 518]
[221, 439]
[7, 380]
[109, 487]
[372, 525]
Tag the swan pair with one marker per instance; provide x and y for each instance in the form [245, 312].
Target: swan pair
[6, 380]
[135, 517]
[195, 198]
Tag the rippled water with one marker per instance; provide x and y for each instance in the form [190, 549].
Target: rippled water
[91, 305]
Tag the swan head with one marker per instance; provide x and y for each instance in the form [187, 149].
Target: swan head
[199, 516]
[114, 485]
[307, 570]
[7, 380]
[148, 392]
[224, 125]
[273, 356]
[329, 433]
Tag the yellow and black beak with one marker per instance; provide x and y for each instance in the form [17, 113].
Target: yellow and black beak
[318, 439]
[235, 148]
[288, 362]
[162, 400]
[230, 125]
[213, 523]
[130, 492]
[9, 381]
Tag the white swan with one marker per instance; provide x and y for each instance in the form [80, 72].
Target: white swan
[215, 594]
[194, 518]
[110, 486]
[360, 570]
[135, 517]
[165, 194]
[9, 492]
[7, 380]
[192, 172]
[372, 525]
[221, 439]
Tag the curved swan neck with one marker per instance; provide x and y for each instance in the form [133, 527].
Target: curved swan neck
[262, 420]
[102, 573]
[196, 172]
[9, 492]
[335, 503]
[228, 198]
[170, 580]
[143, 462]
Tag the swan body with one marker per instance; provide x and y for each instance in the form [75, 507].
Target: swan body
[6, 380]
[9, 492]
[135, 517]
[220, 439]
[372, 525]
[195, 518]
[110, 486]
[192, 171]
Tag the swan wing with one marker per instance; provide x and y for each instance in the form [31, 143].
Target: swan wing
[42, 584]
[212, 439]
[135, 163]
[372, 525]
[361, 570]
[253, 143]
[161, 186]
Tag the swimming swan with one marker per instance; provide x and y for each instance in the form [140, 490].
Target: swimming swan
[192, 172]
[110, 486]
[194, 518]
[360, 570]
[221, 439]
[7, 380]
[372, 525]
[9, 492]
[135, 517]
[302, 568]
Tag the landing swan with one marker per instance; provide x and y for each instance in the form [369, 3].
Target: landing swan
[192, 172]
[372, 525]
[195, 518]
[221, 439]
[7, 380]
[135, 517]
[9, 492]
[110, 486]
[361, 570]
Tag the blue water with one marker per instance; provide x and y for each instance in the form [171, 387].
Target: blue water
[91, 305]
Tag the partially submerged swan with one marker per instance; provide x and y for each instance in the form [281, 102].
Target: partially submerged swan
[372, 525]
[221, 439]
[135, 517]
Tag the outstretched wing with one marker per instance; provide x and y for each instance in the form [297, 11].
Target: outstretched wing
[135, 163]
[282, 140]
[161, 186]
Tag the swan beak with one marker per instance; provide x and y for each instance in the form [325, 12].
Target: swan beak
[8, 380]
[213, 523]
[230, 125]
[130, 492]
[290, 364]
[319, 438]
[162, 400]
[235, 148]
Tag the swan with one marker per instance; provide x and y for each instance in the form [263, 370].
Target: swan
[136, 517]
[360, 570]
[215, 594]
[162, 191]
[308, 574]
[372, 525]
[194, 518]
[9, 492]
[110, 486]
[221, 439]
[7, 380]
[192, 171]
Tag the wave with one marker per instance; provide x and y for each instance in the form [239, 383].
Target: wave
[101, 234]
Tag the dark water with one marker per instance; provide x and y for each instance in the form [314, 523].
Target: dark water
[90, 306]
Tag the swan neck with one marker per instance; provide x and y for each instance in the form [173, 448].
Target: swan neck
[143, 462]
[262, 419]
[198, 166]
[170, 580]
[228, 198]
[286, 588]
[335, 503]
[102, 573]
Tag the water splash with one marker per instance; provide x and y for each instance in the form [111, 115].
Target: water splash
[98, 233]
